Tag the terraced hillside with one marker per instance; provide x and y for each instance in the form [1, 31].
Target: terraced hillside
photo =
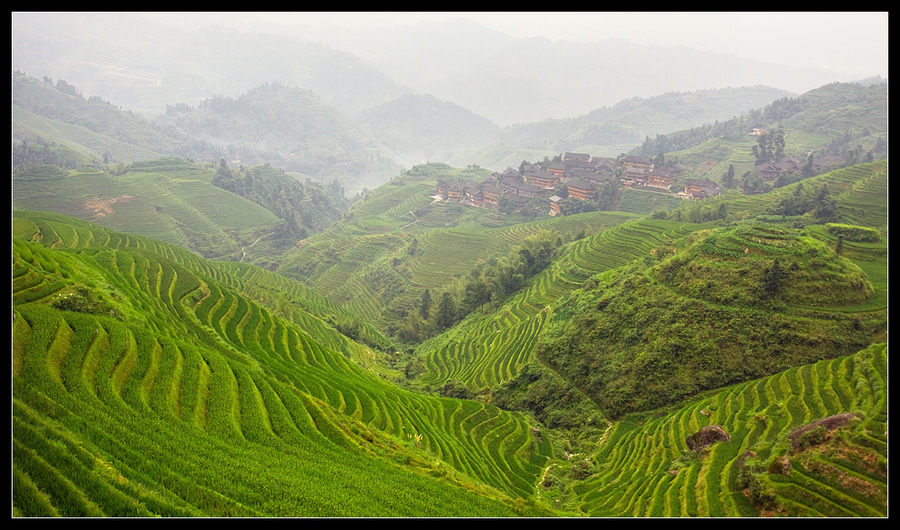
[484, 351]
[170, 200]
[147, 381]
[398, 242]
[807, 442]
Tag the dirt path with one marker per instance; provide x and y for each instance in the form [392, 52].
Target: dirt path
[244, 249]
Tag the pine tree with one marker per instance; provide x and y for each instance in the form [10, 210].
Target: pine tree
[425, 304]
[773, 279]
[446, 314]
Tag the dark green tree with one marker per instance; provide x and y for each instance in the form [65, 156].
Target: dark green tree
[425, 304]
[728, 177]
[446, 314]
[778, 144]
[773, 280]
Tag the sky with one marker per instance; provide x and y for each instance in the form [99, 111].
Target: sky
[848, 42]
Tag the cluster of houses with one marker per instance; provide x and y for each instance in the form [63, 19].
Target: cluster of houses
[580, 174]
[769, 171]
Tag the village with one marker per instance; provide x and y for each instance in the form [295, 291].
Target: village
[580, 177]
[573, 176]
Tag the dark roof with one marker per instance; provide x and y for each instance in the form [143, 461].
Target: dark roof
[638, 159]
[581, 185]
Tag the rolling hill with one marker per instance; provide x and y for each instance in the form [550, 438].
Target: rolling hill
[202, 339]
[142, 373]
[187, 204]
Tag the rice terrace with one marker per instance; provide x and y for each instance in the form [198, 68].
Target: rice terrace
[357, 300]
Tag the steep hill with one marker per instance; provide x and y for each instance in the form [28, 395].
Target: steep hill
[486, 350]
[154, 64]
[729, 305]
[807, 442]
[58, 113]
[195, 206]
[273, 124]
[148, 381]
[290, 128]
[422, 128]
[629, 121]
[843, 120]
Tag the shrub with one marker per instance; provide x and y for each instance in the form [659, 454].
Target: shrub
[861, 234]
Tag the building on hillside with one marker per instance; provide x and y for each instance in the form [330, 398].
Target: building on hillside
[660, 179]
[636, 170]
[664, 177]
[603, 173]
[581, 190]
[576, 157]
[827, 162]
[789, 164]
[600, 161]
[768, 171]
[637, 163]
[701, 188]
[557, 168]
[472, 194]
[771, 170]
[523, 189]
[542, 179]
[450, 190]
[556, 205]
[491, 194]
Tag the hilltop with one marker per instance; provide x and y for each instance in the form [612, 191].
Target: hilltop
[723, 306]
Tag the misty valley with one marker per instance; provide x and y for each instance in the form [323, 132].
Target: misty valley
[312, 291]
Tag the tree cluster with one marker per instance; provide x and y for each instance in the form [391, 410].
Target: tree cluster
[304, 208]
[817, 202]
[489, 283]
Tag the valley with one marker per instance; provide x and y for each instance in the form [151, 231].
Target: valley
[366, 302]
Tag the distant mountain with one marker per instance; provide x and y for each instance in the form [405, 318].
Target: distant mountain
[286, 126]
[511, 80]
[143, 65]
[422, 127]
[632, 119]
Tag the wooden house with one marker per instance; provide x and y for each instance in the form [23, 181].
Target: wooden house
[701, 188]
[660, 179]
[581, 190]
[491, 193]
[542, 179]
[576, 157]
[556, 205]
[557, 168]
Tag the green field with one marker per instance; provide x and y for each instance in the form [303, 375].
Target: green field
[170, 200]
[165, 374]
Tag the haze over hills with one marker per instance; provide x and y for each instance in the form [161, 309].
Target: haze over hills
[167, 61]
[325, 285]
[505, 79]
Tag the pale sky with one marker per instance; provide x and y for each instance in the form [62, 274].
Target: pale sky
[847, 42]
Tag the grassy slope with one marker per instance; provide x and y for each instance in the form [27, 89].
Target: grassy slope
[171, 200]
[397, 242]
[170, 392]
[644, 467]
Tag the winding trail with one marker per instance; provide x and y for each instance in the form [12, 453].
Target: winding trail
[244, 249]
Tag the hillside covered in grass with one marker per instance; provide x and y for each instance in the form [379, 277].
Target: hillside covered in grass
[221, 212]
[148, 381]
[730, 305]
